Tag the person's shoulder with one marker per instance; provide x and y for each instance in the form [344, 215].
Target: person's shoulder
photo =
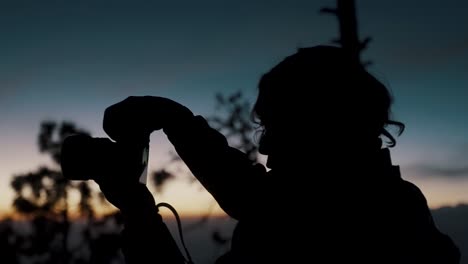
[409, 188]
[412, 203]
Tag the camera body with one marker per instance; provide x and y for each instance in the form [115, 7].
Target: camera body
[84, 158]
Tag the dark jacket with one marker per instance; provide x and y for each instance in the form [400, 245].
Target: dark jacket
[359, 213]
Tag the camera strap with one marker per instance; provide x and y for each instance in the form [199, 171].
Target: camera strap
[179, 226]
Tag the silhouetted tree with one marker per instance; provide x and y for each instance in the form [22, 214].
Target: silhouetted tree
[44, 196]
[45, 191]
[345, 12]
[160, 177]
[233, 119]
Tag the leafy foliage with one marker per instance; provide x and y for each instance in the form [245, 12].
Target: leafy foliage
[45, 191]
[43, 196]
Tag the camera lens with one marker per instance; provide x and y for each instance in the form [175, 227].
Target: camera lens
[85, 158]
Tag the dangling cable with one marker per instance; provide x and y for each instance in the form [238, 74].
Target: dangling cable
[179, 226]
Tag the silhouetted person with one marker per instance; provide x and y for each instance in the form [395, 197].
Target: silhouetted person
[332, 194]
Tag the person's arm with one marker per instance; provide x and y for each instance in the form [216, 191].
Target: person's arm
[145, 238]
[225, 172]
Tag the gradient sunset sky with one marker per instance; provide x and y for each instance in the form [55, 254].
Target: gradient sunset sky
[69, 60]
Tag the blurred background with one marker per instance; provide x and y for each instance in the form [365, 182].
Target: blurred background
[64, 62]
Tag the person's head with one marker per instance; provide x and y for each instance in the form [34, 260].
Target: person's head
[319, 98]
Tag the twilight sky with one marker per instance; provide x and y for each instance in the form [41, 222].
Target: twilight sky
[69, 60]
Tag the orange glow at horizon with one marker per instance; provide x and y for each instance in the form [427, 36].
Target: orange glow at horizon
[191, 200]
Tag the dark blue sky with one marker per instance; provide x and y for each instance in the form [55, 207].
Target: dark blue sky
[71, 59]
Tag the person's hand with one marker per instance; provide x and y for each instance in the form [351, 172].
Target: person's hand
[127, 197]
[138, 116]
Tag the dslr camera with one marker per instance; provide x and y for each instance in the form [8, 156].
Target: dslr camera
[86, 158]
